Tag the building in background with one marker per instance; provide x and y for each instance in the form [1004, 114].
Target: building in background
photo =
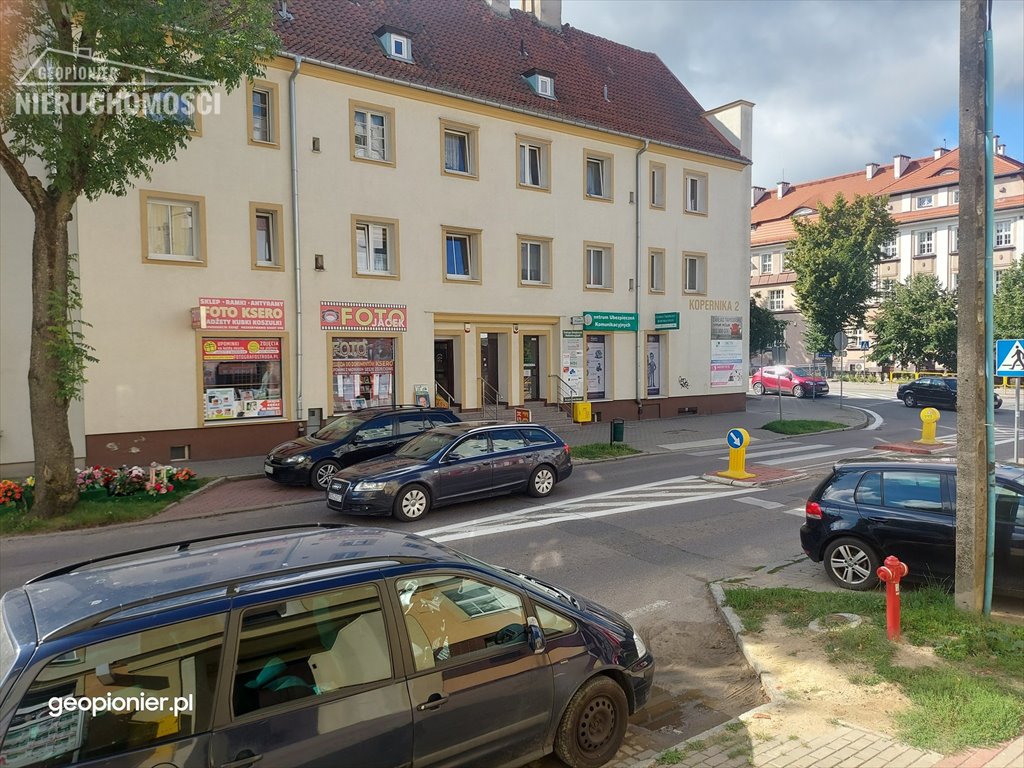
[924, 199]
[446, 197]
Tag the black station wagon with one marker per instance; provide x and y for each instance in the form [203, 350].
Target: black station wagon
[867, 510]
[326, 646]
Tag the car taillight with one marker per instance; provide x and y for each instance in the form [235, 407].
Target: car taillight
[813, 509]
[566, 450]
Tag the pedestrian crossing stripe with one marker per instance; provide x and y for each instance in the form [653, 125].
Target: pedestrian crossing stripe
[1012, 362]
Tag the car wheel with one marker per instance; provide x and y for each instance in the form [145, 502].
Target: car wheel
[759, 389]
[996, 403]
[542, 481]
[413, 502]
[594, 724]
[798, 391]
[909, 400]
[323, 471]
[852, 564]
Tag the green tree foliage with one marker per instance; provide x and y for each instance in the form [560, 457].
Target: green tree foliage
[834, 257]
[1008, 304]
[766, 330]
[91, 61]
[917, 324]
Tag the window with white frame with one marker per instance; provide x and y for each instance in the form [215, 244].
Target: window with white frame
[400, 47]
[925, 242]
[267, 235]
[889, 249]
[696, 187]
[954, 281]
[766, 263]
[954, 239]
[461, 255]
[776, 300]
[925, 201]
[260, 115]
[656, 269]
[657, 186]
[956, 197]
[783, 262]
[998, 275]
[173, 227]
[534, 261]
[533, 163]
[599, 176]
[459, 150]
[372, 134]
[1004, 234]
[375, 249]
[886, 288]
[694, 273]
[263, 113]
[599, 267]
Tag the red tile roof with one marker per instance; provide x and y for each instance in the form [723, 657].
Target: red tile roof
[462, 47]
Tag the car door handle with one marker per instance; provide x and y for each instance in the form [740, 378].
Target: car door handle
[243, 762]
[435, 701]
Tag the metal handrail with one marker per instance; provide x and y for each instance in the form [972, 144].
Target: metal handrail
[448, 395]
[485, 389]
[560, 401]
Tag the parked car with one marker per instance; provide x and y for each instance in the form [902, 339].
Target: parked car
[354, 437]
[333, 645]
[934, 391]
[867, 510]
[453, 463]
[793, 380]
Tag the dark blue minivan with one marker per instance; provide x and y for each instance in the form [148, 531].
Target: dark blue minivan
[312, 646]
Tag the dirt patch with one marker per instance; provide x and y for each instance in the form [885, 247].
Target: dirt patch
[818, 692]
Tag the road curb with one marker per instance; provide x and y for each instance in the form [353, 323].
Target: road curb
[752, 483]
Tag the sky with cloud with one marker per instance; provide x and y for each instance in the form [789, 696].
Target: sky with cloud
[836, 83]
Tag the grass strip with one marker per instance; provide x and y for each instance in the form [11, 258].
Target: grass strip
[602, 451]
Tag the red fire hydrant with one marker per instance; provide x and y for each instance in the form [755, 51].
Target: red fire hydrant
[891, 573]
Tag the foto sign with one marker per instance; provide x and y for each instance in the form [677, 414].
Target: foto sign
[666, 321]
[1010, 357]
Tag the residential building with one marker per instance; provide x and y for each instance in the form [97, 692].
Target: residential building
[924, 199]
[447, 198]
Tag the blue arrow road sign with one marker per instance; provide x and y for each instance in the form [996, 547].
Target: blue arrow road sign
[1010, 357]
[735, 438]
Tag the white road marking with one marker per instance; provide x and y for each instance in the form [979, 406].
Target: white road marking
[795, 448]
[658, 604]
[817, 454]
[876, 418]
[763, 503]
[796, 512]
[696, 444]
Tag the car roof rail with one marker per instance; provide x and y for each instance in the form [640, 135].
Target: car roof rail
[179, 546]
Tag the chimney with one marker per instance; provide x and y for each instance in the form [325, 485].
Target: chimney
[783, 188]
[756, 193]
[870, 170]
[500, 7]
[1001, 149]
[939, 152]
[899, 165]
[547, 12]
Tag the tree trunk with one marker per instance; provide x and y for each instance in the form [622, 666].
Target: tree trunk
[56, 490]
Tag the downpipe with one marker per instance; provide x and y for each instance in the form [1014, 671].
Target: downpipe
[637, 351]
[297, 253]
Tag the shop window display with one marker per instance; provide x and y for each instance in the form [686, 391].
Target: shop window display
[242, 379]
[362, 372]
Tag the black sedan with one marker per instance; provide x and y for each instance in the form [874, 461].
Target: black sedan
[934, 391]
[867, 510]
[453, 463]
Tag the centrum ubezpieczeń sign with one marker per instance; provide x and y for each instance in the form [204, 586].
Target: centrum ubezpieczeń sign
[610, 321]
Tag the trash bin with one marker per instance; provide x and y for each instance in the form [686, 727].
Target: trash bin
[581, 412]
[618, 431]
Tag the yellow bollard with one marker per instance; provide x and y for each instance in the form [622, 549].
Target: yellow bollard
[737, 439]
[929, 417]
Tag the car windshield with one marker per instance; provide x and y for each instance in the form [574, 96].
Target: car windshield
[951, 383]
[548, 589]
[6, 651]
[425, 445]
[800, 372]
[338, 428]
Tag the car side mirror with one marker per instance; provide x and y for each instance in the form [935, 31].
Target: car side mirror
[534, 635]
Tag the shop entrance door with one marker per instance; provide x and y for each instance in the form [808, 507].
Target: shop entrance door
[489, 367]
[531, 368]
[444, 369]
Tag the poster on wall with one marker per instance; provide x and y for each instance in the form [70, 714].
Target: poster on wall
[572, 364]
[597, 367]
[726, 350]
[653, 364]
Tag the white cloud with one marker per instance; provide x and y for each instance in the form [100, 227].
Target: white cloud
[836, 83]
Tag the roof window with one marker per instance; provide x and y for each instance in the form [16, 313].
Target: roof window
[396, 43]
[542, 83]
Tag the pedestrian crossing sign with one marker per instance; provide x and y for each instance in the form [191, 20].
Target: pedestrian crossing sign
[1010, 357]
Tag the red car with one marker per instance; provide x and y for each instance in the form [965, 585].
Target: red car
[793, 380]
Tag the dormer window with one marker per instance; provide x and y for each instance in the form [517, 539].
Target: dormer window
[396, 43]
[542, 83]
[803, 211]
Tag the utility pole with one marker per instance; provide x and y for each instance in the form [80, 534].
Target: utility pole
[972, 453]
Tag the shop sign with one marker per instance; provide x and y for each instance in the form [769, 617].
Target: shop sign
[610, 321]
[666, 321]
[572, 365]
[522, 415]
[241, 349]
[715, 305]
[726, 350]
[349, 316]
[238, 314]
